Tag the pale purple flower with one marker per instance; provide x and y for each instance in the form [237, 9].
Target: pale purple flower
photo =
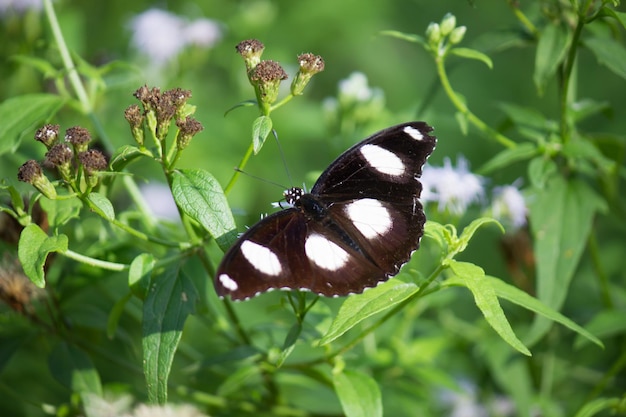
[509, 206]
[161, 35]
[454, 189]
[19, 6]
[202, 32]
[159, 198]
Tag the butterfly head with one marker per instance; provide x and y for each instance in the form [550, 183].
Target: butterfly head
[293, 194]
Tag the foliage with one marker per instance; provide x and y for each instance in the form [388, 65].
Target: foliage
[106, 304]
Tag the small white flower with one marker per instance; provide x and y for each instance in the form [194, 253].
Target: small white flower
[355, 87]
[454, 189]
[19, 6]
[509, 206]
[162, 35]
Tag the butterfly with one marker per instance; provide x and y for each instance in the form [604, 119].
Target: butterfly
[357, 226]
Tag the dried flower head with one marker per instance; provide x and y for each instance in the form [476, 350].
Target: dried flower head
[93, 161]
[135, 118]
[266, 78]
[187, 128]
[32, 173]
[79, 137]
[251, 51]
[60, 157]
[309, 66]
[48, 135]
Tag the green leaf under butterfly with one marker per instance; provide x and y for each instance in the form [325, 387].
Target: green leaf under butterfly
[473, 277]
[359, 307]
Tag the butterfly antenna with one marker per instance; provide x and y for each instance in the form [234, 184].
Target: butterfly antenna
[282, 155]
[260, 178]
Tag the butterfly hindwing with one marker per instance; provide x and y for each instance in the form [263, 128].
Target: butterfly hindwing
[356, 228]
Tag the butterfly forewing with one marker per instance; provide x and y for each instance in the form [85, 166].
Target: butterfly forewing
[358, 226]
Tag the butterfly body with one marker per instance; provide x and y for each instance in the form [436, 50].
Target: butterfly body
[356, 228]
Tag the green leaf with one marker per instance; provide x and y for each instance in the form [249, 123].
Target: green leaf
[102, 205]
[127, 154]
[605, 325]
[169, 301]
[583, 149]
[523, 116]
[373, 301]
[61, 211]
[33, 249]
[461, 119]
[359, 394]
[469, 231]
[619, 16]
[515, 295]
[73, 368]
[473, 277]
[609, 53]
[115, 315]
[246, 103]
[22, 115]
[551, 51]
[540, 170]
[561, 216]
[261, 129]
[404, 36]
[593, 407]
[139, 274]
[472, 54]
[507, 157]
[200, 197]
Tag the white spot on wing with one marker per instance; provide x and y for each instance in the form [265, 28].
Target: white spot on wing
[228, 282]
[261, 258]
[370, 217]
[413, 132]
[324, 253]
[382, 160]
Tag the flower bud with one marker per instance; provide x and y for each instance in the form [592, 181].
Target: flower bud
[31, 173]
[48, 135]
[309, 66]
[457, 35]
[433, 34]
[448, 23]
[251, 51]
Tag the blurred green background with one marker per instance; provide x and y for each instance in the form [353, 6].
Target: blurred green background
[347, 35]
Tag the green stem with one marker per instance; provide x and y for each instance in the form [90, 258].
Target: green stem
[566, 78]
[462, 108]
[280, 103]
[240, 168]
[523, 19]
[98, 263]
[605, 290]
[134, 232]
